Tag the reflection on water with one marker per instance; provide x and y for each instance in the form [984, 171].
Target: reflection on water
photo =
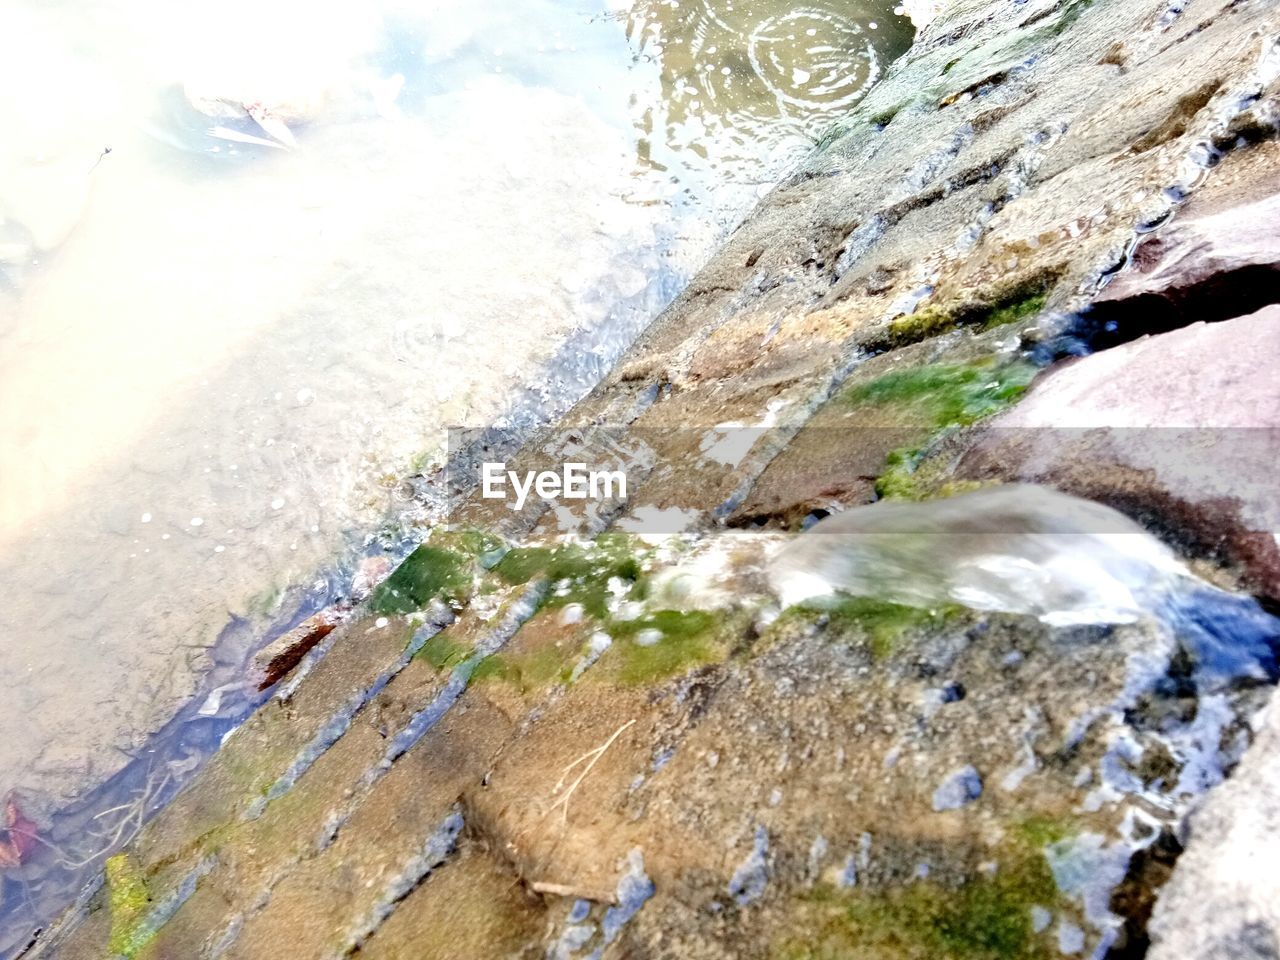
[253, 261]
[746, 85]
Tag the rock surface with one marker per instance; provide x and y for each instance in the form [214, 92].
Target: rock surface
[1183, 427]
[1219, 258]
[1224, 898]
[274, 661]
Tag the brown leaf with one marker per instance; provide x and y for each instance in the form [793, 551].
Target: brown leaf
[19, 836]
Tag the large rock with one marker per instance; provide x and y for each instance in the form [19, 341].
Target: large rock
[1220, 258]
[1180, 429]
[1224, 898]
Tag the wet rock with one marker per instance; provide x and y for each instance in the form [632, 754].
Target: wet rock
[370, 572]
[1180, 430]
[1224, 898]
[274, 661]
[748, 882]
[1219, 258]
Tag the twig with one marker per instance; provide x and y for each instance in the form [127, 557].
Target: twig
[567, 890]
[594, 756]
[129, 826]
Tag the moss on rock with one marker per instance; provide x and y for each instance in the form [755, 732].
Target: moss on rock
[884, 624]
[580, 573]
[986, 918]
[939, 397]
[688, 639]
[429, 573]
[128, 900]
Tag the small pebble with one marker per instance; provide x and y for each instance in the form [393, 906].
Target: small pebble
[1070, 938]
[1040, 919]
[959, 790]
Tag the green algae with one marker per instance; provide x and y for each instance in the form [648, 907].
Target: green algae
[1015, 310]
[522, 564]
[1071, 11]
[443, 652]
[1005, 307]
[427, 574]
[687, 640]
[674, 624]
[938, 397]
[884, 624]
[989, 917]
[986, 918]
[473, 543]
[1037, 831]
[827, 137]
[128, 900]
[899, 480]
[526, 672]
[885, 117]
[265, 603]
[945, 395]
[925, 323]
[582, 572]
[904, 479]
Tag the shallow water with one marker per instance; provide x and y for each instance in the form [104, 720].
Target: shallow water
[227, 340]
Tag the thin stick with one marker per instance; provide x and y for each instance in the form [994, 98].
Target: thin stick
[124, 833]
[595, 755]
[567, 890]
